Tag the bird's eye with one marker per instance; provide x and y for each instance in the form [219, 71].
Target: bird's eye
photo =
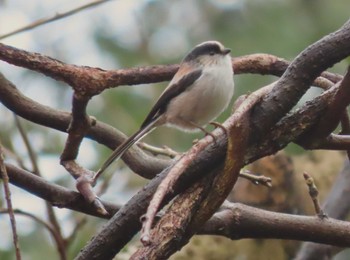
[211, 53]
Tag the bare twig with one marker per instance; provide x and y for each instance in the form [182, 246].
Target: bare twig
[8, 153]
[56, 17]
[80, 223]
[57, 234]
[313, 191]
[30, 215]
[337, 205]
[51, 230]
[32, 155]
[5, 178]
[256, 179]
[166, 151]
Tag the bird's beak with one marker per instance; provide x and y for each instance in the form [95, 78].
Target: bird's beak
[226, 51]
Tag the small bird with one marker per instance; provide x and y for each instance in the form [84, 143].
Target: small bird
[200, 91]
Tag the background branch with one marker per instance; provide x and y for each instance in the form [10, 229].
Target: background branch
[5, 179]
[56, 229]
[51, 19]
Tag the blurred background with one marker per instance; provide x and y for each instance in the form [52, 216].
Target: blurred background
[130, 33]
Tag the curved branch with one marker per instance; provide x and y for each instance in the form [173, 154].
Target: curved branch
[92, 81]
[105, 79]
[140, 162]
[299, 76]
[55, 194]
[54, 233]
[235, 221]
[332, 117]
[102, 133]
[125, 223]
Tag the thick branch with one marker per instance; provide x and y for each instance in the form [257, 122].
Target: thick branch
[192, 208]
[235, 221]
[300, 74]
[238, 221]
[332, 117]
[105, 134]
[199, 165]
[125, 223]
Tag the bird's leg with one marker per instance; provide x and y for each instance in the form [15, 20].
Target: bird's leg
[203, 130]
[216, 125]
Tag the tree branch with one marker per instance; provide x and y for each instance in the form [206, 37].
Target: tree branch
[56, 230]
[286, 92]
[56, 195]
[235, 221]
[92, 81]
[56, 17]
[299, 75]
[238, 221]
[140, 162]
[4, 176]
[125, 223]
[317, 136]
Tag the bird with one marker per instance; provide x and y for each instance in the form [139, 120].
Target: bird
[199, 92]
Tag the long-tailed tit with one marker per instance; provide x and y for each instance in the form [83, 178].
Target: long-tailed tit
[199, 92]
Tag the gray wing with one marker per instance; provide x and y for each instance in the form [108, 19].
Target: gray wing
[171, 92]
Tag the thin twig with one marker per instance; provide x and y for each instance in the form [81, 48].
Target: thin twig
[32, 155]
[313, 191]
[80, 223]
[56, 17]
[166, 151]
[57, 234]
[5, 178]
[8, 153]
[32, 216]
[261, 179]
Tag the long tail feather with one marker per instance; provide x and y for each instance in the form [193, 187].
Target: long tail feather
[121, 149]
